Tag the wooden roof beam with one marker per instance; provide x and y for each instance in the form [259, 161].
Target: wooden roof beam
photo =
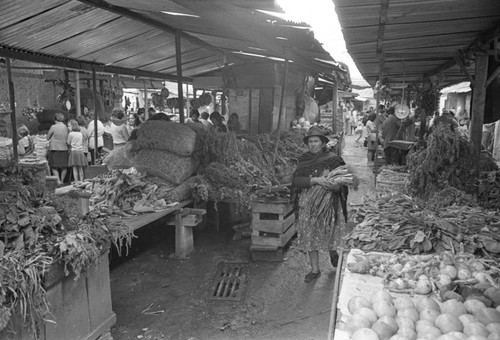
[384, 7]
[74, 64]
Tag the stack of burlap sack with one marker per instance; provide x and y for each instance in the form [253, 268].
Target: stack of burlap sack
[162, 149]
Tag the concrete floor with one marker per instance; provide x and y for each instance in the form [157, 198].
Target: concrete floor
[276, 303]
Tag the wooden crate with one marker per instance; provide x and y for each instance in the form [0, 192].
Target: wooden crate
[272, 223]
[80, 309]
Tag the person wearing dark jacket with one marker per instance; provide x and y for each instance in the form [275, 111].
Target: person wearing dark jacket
[390, 130]
[313, 237]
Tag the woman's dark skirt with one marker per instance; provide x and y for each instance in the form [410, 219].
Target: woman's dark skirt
[58, 159]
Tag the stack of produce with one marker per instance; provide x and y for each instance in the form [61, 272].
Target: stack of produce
[38, 230]
[488, 186]
[397, 221]
[384, 317]
[451, 276]
[448, 160]
[391, 177]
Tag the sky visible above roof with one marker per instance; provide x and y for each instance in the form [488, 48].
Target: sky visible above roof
[322, 17]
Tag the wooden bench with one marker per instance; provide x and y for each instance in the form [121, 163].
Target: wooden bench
[183, 218]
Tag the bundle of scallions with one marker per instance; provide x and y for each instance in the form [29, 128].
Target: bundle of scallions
[317, 203]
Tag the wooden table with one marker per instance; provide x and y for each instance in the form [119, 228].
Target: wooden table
[184, 219]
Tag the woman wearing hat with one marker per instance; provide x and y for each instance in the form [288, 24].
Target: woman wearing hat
[316, 237]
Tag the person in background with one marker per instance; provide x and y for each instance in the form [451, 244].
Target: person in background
[140, 116]
[108, 125]
[24, 144]
[204, 119]
[354, 121]
[100, 139]
[371, 137]
[151, 112]
[319, 236]
[77, 160]
[85, 133]
[233, 122]
[359, 130]
[58, 148]
[347, 121]
[194, 117]
[217, 121]
[130, 124]
[390, 129]
[446, 120]
[119, 131]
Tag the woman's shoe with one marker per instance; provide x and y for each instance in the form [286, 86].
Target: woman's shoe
[334, 258]
[312, 276]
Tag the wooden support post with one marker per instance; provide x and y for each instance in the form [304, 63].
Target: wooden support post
[493, 76]
[178, 59]
[184, 243]
[94, 88]
[146, 113]
[78, 98]
[12, 100]
[478, 101]
[335, 99]
[280, 113]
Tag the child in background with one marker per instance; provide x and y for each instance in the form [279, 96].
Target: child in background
[77, 159]
[359, 130]
[24, 144]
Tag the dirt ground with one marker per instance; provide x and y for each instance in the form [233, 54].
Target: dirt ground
[158, 297]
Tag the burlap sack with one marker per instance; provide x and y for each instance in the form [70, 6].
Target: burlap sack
[167, 136]
[119, 158]
[167, 165]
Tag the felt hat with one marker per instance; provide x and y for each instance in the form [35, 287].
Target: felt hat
[316, 131]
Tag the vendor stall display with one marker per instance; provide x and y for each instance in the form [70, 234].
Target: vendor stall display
[399, 222]
[374, 312]
[39, 231]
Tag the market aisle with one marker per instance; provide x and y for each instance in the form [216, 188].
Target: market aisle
[354, 154]
[276, 304]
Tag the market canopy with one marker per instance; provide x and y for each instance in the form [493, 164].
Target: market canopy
[407, 40]
[138, 38]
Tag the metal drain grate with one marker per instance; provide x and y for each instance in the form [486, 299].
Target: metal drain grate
[229, 282]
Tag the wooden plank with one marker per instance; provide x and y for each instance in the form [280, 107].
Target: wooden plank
[55, 298]
[279, 241]
[140, 221]
[273, 226]
[271, 208]
[99, 292]
[76, 319]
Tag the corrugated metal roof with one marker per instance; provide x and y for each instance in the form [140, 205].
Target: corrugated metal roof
[136, 35]
[414, 37]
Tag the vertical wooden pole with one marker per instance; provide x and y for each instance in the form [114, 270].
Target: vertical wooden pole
[78, 98]
[146, 113]
[335, 103]
[249, 111]
[94, 88]
[280, 113]
[188, 104]
[12, 100]
[478, 101]
[178, 59]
